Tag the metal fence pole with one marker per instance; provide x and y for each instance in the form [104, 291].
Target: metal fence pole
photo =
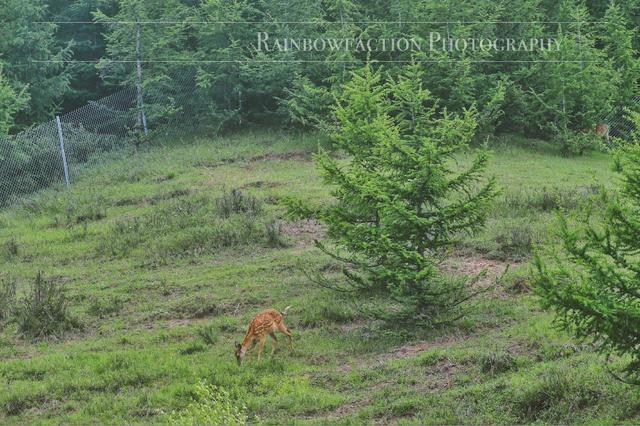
[64, 155]
[139, 82]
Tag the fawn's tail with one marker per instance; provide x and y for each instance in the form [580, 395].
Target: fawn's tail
[284, 313]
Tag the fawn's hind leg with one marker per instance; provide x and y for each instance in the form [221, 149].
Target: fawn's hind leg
[274, 343]
[283, 328]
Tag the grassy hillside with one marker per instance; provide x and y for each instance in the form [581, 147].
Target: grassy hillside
[165, 265]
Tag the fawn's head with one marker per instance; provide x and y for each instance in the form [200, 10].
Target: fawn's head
[239, 353]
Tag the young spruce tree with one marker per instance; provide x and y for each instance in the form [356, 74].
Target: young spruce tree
[401, 200]
[593, 285]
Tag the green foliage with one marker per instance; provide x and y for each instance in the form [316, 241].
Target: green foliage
[102, 308]
[235, 201]
[44, 310]
[11, 247]
[7, 298]
[274, 233]
[210, 405]
[87, 44]
[209, 334]
[575, 85]
[11, 102]
[127, 367]
[594, 284]
[306, 104]
[35, 71]
[400, 203]
[187, 226]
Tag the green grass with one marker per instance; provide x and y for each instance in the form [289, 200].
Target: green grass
[164, 284]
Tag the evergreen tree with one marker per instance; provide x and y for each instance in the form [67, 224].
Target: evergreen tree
[400, 203]
[11, 102]
[593, 285]
[33, 62]
[618, 42]
[575, 84]
[85, 39]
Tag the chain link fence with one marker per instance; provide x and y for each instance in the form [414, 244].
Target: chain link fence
[55, 153]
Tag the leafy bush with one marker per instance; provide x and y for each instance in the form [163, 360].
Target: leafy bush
[44, 311]
[211, 405]
[400, 201]
[577, 143]
[594, 283]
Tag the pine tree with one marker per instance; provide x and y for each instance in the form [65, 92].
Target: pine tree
[593, 284]
[32, 60]
[618, 41]
[575, 84]
[11, 102]
[401, 202]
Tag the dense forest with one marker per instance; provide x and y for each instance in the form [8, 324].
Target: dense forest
[57, 55]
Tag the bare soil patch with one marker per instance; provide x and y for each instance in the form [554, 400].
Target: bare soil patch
[304, 232]
[261, 184]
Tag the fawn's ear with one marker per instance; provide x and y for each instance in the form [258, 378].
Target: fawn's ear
[238, 345]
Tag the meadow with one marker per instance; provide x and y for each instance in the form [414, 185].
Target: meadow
[166, 254]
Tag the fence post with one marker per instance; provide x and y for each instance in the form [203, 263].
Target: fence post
[141, 115]
[64, 155]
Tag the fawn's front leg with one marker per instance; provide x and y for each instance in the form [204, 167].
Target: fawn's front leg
[263, 338]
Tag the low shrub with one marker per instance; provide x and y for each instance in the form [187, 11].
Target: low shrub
[549, 198]
[274, 234]
[193, 348]
[7, 298]
[497, 362]
[554, 397]
[12, 247]
[516, 240]
[43, 311]
[210, 405]
[236, 201]
[208, 334]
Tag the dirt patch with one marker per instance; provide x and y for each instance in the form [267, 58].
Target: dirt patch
[297, 156]
[413, 349]
[180, 322]
[261, 184]
[304, 232]
[349, 408]
[208, 164]
[472, 266]
[468, 265]
[410, 350]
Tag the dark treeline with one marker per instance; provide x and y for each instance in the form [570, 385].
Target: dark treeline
[552, 93]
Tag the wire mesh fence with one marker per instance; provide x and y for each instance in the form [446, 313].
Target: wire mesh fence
[35, 158]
